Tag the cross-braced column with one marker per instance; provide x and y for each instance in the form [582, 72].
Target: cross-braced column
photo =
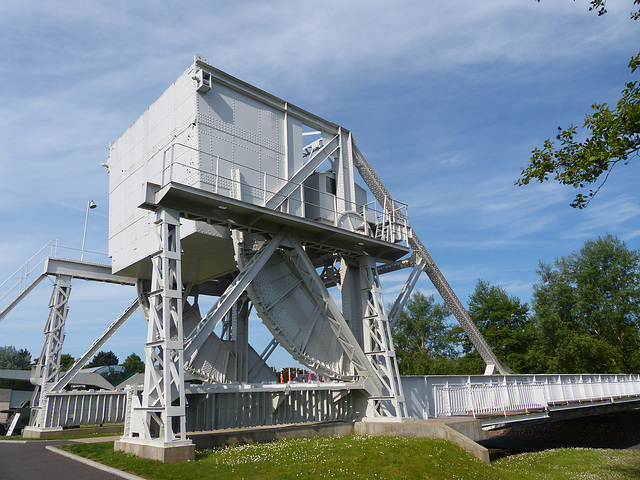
[48, 367]
[163, 398]
[235, 328]
[378, 345]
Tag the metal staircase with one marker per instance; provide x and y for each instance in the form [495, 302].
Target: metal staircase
[25, 279]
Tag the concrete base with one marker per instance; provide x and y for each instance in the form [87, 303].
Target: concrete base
[462, 431]
[40, 432]
[178, 451]
[234, 436]
[48, 433]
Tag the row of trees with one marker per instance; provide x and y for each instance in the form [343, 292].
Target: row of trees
[13, 359]
[584, 318]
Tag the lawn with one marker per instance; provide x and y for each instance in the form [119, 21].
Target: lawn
[372, 458]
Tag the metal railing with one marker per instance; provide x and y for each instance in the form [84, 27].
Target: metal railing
[24, 276]
[223, 406]
[229, 405]
[433, 396]
[488, 399]
[182, 165]
[67, 409]
[263, 406]
[33, 268]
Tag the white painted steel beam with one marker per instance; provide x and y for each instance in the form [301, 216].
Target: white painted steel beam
[378, 344]
[48, 367]
[71, 268]
[163, 398]
[93, 349]
[301, 175]
[405, 293]
[22, 295]
[338, 324]
[195, 204]
[196, 338]
[85, 271]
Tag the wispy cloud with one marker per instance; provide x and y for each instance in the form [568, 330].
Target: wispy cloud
[446, 101]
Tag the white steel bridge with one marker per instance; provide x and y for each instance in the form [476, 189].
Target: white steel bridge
[503, 399]
[215, 190]
[494, 399]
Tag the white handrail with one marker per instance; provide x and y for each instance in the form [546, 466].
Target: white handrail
[526, 393]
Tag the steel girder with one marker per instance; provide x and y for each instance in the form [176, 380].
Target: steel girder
[294, 304]
[48, 367]
[303, 173]
[405, 293]
[163, 398]
[330, 312]
[378, 344]
[22, 295]
[231, 295]
[84, 359]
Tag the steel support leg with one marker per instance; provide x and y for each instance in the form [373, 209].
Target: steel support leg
[378, 345]
[435, 275]
[240, 335]
[48, 368]
[235, 329]
[161, 416]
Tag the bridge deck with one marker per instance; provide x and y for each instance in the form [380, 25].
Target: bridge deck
[502, 399]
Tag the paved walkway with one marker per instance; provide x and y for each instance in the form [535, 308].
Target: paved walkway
[31, 460]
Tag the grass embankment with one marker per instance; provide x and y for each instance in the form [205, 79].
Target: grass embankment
[372, 457]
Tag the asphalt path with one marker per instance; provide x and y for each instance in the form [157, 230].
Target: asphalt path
[32, 461]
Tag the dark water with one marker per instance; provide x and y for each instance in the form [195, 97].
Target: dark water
[613, 430]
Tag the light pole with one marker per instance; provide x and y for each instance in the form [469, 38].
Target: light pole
[90, 205]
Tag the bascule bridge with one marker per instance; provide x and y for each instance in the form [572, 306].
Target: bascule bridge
[224, 191]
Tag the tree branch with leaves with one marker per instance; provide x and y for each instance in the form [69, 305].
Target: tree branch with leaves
[609, 136]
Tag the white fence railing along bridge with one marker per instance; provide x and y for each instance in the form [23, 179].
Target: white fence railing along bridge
[509, 395]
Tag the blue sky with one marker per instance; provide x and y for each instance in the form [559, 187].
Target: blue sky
[445, 99]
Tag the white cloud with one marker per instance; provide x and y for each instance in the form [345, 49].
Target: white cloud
[448, 98]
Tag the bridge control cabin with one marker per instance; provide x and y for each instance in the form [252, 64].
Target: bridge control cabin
[230, 156]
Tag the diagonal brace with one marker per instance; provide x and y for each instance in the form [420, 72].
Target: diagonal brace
[405, 293]
[199, 334]
[344, 333]
[383, 197]
[82, 361]
[301, 175]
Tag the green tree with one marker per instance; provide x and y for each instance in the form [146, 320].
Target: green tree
[587, 309]
[133, 364]
[609, 136]
[504, 322]
[66, 362]
[425, 342]
[12, 359]
[103, 358]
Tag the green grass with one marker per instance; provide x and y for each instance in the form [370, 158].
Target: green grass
[374, 458]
